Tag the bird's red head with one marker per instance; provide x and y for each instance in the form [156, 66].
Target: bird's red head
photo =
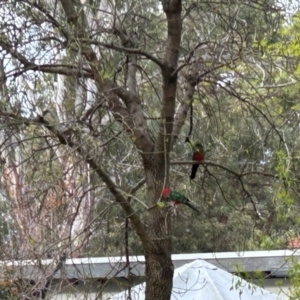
[166, 192]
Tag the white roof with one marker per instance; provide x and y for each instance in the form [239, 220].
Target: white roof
[175, 257]
[202, 280]
[275, 261]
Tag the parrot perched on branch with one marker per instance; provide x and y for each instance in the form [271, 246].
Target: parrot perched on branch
[178, 198]
[198, 155]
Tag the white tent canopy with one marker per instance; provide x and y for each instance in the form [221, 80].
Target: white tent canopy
[200, 280]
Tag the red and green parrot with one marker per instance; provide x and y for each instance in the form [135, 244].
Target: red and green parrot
[198, 155]
[178, 198]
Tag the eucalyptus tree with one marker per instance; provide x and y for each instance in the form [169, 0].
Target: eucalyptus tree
[95, 96]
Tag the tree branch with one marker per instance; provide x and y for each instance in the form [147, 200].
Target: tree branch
[43, 10]
[136, 188]
[70, 11]
[131, 51]
[70, 70]
[209, 163]
[134, 117]
[182, 112]
[172, 9]
[66, 140]
[58, 267]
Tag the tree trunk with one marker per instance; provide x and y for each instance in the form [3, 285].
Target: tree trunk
[159, 272]
[159, 266]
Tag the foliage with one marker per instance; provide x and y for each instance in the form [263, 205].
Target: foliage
[95, 104]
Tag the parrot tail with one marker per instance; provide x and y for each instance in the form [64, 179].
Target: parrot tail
[192, 207]
[194, 171]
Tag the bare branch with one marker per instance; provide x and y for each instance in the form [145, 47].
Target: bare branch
[69, 11]
[58, 267]
[63, 69]
[182, 112]
[131, 51]
[134, 116]
[137, 186]
[66, 140]
[209, 163]
[68, 70]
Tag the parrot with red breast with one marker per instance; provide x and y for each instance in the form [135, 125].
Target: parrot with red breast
[198, 155]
